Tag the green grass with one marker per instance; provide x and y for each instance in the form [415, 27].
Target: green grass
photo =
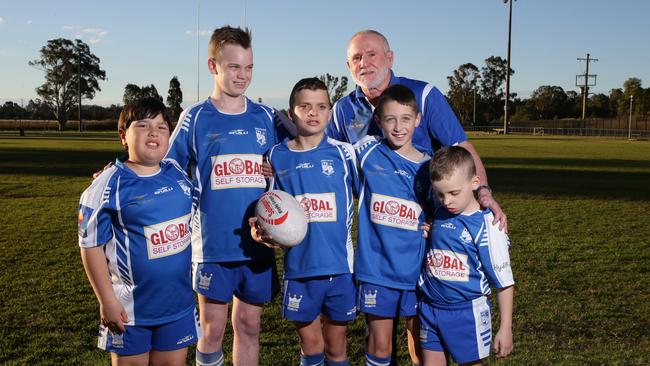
[579, 226]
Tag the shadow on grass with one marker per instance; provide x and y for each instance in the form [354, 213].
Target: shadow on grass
[54, 162]
[552, 178]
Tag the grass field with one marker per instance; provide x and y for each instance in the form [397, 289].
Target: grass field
[579, 219]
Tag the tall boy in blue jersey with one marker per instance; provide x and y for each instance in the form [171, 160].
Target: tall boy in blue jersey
[223, 140]
[392, 206]
[134, 237]
[466, 253]
[321, 173]
[370, 59]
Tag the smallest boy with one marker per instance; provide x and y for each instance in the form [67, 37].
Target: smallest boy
[465, 253]
[135, 245]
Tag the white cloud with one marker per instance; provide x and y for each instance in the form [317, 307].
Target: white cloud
[29, 22]
[93, 35]
[2, 20]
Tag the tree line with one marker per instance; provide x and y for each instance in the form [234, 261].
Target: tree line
[477, 97]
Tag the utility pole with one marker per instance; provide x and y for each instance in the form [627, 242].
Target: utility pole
[79, 85]
[474, 109]
[505, 107]
[198, 52]
[585, 86]
[629, 123]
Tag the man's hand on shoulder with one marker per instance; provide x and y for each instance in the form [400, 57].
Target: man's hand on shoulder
[486, 200]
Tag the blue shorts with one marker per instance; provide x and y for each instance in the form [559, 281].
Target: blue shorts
[141, 339]
[386, 302]
[306, 298]
[464, 330]
[251, 282]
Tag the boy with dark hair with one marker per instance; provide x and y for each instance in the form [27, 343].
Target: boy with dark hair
[134, 238]
[319, 292]
[465, 253]
[222, 140]
[392, 208]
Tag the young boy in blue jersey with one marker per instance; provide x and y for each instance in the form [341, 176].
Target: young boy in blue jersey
[319, 291]
[134, 236]
[465, 253]
[222, 141]
[392, 208]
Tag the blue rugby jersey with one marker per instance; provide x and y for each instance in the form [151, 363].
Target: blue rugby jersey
[464, 255]
[224, 153]
[352, 117]
[393, 202]
[324, 180]
[144, 224]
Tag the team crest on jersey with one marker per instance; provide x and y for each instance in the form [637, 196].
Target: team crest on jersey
[294, 302]
[204, 280]
[185, 187]
[370, 298]
[327, 167]
[466, 237]
[260, 133]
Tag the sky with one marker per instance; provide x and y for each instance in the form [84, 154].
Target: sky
[146, 41]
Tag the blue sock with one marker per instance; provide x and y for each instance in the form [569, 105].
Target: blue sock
[372, 360]
[209, 359]
[329, 362]
[312, 360]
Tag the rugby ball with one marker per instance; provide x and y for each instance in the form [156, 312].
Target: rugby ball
[280, 215]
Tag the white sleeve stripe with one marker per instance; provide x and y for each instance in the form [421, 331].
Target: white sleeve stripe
[425, 93]
[335, 118]
[349, 202]
[498, 249]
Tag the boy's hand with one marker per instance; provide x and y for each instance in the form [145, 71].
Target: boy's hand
[97, 173]
[113, 316]
[258, 234]
[503, 342]
[486, 200]
[426, 228]
[267, 169]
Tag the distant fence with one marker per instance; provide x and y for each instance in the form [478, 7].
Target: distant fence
[610, 127]
[541, 131]
[53, 125]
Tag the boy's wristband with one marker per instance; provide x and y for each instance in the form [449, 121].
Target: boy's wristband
[483, 186]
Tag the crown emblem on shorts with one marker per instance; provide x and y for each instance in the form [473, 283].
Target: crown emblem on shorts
[294, 302]
[117, 339]
[370, 297]
[204, 280]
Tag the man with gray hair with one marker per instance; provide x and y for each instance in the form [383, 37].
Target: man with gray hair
[370, 59]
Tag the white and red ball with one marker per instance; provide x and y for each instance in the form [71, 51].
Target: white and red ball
[280, 215]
